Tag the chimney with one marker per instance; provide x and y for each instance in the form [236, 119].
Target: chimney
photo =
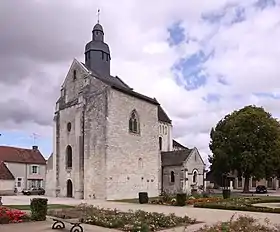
[35, 148]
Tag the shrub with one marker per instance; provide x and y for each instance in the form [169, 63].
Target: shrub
[242, 223]
[12, 216]
[39, 208]
[226, 193]
[205, 194]
[166, 197]
[181, 199]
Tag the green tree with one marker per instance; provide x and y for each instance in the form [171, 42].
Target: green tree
[246, 141]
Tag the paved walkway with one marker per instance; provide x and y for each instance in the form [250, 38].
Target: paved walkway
[208, 216]
[46, 226]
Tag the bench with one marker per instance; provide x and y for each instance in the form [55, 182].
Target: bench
[59, 224]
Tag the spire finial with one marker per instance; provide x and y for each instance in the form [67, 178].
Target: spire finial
[98, 15]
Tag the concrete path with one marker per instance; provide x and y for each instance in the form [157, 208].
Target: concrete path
[46, 226]
[208, 216]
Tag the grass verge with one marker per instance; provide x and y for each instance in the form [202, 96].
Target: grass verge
[243, 204]
[27, 207]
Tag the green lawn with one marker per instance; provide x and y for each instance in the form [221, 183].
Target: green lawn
[135, 200]
[27, 207]
[233, 195]
[243, 203]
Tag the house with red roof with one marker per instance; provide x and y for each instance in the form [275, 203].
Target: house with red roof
[21, 168]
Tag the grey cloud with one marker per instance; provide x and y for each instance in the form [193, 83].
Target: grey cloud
[40, 32]
[18, 111]
[37, 40]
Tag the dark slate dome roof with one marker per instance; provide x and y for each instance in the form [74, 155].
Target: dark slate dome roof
[98, 27]
[98, 46]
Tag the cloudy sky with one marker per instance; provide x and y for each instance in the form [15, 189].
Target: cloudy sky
[201, 59]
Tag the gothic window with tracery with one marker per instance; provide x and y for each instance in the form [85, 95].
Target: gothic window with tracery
[134, 125]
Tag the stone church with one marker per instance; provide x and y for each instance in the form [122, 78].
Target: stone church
[111, 142]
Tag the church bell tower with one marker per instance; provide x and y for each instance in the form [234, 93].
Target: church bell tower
[97, 53]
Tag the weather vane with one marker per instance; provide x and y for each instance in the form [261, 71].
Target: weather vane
[98, 15]
[35, 137]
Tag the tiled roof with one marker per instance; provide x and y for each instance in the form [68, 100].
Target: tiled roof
[162, 116]
[174, 158]
[21, 155]
[176, 144]
[5, 173]
[118, 84]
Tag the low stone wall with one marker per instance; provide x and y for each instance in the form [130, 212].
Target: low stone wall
[7, 192]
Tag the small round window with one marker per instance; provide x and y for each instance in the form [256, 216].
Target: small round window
[69, 126]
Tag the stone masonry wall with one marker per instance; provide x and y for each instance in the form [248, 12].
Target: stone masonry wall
[69, 111]
[133, 161]
[165, 131]
[95, 141]
[69, 115]
[172, 187]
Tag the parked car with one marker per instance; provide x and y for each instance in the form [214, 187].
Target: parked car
[261, 189]
[33, 191]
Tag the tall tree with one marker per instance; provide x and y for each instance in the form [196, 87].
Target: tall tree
[246, 141]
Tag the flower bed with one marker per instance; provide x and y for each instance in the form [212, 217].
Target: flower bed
[241, 224]
[241, 204]
[203, 200]
[12, 216]
[190, 201]
[126, 221]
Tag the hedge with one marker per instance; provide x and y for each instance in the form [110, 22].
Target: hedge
[39, 208]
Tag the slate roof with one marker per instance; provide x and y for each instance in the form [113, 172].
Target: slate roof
[174, 158]
[21, 155]
[176, 144]
[162, 116]
[5, 173]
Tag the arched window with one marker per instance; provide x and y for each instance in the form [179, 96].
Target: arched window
[172, 177]
[69, 157]
[194, 176]
[134, 126]
[160, 143]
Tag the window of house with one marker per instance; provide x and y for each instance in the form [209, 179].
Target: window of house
[34, 169]
[160, 143]
[102, 55]
[134, 125]
[165, 130]
[107, 57]
[74, 75]
[195, 158]
[69, 157]
[172, 177]
[194, 176]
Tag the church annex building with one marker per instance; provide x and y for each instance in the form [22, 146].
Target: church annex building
[110, 142]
